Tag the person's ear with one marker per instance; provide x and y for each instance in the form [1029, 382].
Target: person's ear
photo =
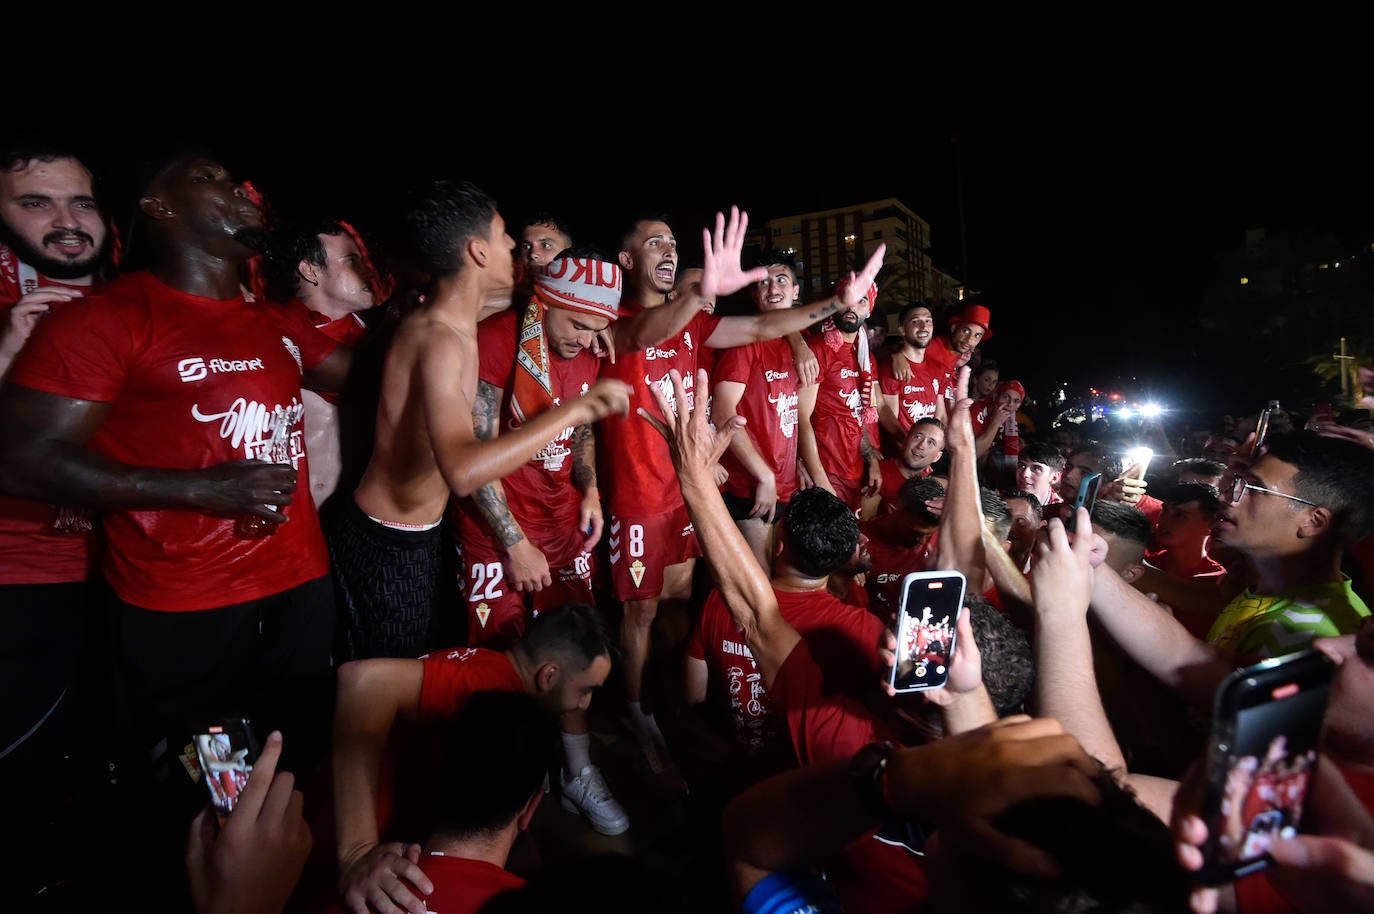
[477, 249]
[308, 272]
[546, 677]
[1317, 522]
[626, 260]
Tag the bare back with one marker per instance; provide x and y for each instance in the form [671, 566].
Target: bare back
[429, 381]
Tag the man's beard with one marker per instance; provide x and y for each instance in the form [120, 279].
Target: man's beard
[847, 326]
[253, 238]
[54, 267]
[917, 343]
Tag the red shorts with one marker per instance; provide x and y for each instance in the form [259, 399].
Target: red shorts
[496, 612]
[641, 547]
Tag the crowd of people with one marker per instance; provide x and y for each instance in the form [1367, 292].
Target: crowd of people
[420, 514]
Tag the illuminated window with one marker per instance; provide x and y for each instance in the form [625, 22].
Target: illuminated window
[1245, 280]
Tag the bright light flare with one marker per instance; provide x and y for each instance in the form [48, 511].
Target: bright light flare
[1151, 410]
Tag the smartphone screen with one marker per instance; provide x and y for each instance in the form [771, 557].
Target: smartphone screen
[1087, 491]
[1137, 462]
[926, 621]
[1266, 725]
[226, 752]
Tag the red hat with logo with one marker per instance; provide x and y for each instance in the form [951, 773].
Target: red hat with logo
[974, 314]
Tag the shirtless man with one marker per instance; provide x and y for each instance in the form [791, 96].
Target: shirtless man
[386, 543]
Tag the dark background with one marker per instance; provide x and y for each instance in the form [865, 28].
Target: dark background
[1093, 228]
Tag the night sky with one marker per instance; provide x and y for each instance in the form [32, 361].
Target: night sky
[1089, 231]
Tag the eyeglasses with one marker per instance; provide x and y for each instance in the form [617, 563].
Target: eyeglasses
[1240, 485]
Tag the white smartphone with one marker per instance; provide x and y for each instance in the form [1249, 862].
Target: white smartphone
[927, 619]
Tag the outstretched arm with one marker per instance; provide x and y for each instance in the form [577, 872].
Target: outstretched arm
[752, 328]
[696, 446]
[466, 461]
[527, 567]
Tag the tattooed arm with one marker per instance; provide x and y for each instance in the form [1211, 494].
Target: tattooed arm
[590, 518]
[526, 566]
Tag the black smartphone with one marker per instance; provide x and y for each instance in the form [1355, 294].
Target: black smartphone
[226, 751]
[927, 618]
[1087, 491]
[1266, 722]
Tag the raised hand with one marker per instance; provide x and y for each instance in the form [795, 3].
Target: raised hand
[721, 273]
[695, 444]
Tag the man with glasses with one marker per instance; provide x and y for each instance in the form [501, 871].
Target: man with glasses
[1292, 514]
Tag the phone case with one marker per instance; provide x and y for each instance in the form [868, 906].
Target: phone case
[927, 620]
[1266, 723]
[226, 752]
[1087, 491]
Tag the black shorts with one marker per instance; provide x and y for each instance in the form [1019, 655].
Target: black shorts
[739, 508]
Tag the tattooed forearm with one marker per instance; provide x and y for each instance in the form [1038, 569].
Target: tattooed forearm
[491, 501]
[486, 411]
[583, 447]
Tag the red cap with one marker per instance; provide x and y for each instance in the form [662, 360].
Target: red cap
[974, 314]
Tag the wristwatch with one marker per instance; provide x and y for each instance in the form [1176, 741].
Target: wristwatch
[866, 768]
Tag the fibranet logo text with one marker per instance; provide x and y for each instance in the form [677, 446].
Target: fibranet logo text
[193, 369]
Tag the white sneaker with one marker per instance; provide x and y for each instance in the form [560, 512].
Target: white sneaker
[588, 794]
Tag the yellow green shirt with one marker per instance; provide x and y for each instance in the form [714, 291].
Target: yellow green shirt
[1271, 625]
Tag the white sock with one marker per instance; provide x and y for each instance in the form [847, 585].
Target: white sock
[644, 722]
[577, 751]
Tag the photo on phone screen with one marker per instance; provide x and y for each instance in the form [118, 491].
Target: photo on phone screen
[1265, 729]
[226, 752]
[1087, 491]
[926, 622]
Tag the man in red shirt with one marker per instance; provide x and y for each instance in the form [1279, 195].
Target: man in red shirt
[154, 401]
[923, 448]
[320, 267]
[759, 381]
[920, 393]
[384, 774]
[53, 245]
[839, 415]
[651, 544]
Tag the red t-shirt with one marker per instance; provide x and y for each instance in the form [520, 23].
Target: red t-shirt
[1203, 567]
[192, 382]
[769, 406]
[40, 543]
[838, 415]
[918, 395]
[347, 330]
[844, 638]
[891, 562]
[637, 477]
[540, 492]
[451, 676]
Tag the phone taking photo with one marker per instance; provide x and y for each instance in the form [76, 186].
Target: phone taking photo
[927, 619]
[1262, 428]
[1087, 491]
[1266, 722]
[227, 751]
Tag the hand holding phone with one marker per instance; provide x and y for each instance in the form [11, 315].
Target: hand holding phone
[927, 623]
[1266, 722]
